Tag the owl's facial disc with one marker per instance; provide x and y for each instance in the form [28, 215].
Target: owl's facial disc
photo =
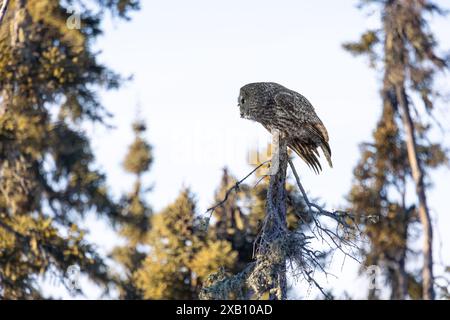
[244, 103]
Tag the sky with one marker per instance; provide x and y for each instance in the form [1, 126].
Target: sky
[188, 60]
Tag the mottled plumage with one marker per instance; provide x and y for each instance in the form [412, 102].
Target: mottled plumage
[277, 107]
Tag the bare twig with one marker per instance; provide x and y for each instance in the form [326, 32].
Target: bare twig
[235, 187]
[336, 215]
[340, 217]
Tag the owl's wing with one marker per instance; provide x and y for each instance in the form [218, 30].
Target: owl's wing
[301, 113]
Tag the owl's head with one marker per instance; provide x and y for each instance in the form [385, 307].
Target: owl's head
[255, 99]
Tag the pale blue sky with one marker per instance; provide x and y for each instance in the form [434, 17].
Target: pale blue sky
[189, 59]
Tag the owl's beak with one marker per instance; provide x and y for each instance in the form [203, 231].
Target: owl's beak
[245, 116]
[241, 112]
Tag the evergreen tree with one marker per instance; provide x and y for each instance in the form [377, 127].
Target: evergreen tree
[180, 257]
[136, 214]
[402, 152]
[231, 223]
[49, 75]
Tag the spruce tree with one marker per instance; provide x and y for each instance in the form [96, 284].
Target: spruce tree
[180, 256]
[49, 75]
[402, 153]
[136, 214]
[231, 222]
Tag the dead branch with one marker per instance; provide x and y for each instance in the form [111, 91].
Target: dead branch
[344, 221]
[277, 247]
[235, 187]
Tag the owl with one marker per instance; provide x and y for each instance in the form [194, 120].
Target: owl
[277, 107]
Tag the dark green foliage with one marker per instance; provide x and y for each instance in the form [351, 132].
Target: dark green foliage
[49, 75]
[180, 256]
[136, 214]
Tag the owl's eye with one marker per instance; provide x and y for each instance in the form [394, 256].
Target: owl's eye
[242, 100]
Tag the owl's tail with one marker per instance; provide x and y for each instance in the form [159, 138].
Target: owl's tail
[309, 153]
[327, 152]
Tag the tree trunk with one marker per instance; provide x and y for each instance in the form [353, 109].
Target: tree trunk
[396, 266]
[399, 279]
[276, 212]
[424, 215]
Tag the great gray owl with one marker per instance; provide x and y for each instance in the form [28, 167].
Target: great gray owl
[277, 107]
